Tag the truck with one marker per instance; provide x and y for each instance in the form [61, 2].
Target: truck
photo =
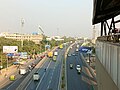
[50, 54]
[36, 77]
[55, 53]
[22, 71]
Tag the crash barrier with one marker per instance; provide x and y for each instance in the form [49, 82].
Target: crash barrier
[110, 38]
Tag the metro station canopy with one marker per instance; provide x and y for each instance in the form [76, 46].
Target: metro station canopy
[105, 9]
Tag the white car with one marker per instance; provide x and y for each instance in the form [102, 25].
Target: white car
[78, 67]
[22, 71]
[36, 77]
[77, 50]
[69, 55]
[73, 54]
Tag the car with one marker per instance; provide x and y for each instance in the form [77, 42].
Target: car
[78, 67]
[71, 66]
[77, 50]
[79, 71]
[22, 71]
[36, 76]
[69, 55]
[73, 54]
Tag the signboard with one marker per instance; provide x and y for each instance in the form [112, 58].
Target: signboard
[85, 49]
[23, 55]
[47, 46]
[10, 54]
[10, 49]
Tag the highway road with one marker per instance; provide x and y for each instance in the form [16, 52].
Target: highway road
[49, 79]
[77, 81]
[12, 85]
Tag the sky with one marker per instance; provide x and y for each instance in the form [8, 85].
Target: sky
[55, 17]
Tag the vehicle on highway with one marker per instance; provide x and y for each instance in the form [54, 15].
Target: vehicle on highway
[79, 71]
[55, 53]
[71, 66]
[69, 55]
[78, 67]
[16, 63]
[73, 54]
[41, 57]
[12, 77]
[77, 50]
[22, 71]
[50, 54]
[61, 46]
[54, 58]
[33, 65]
[77, 46]
[88, 60]
[36, 77]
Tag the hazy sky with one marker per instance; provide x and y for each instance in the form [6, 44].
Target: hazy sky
[56, 17]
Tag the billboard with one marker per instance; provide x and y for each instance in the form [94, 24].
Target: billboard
[23, 55]
[10, 49]
[85, 49]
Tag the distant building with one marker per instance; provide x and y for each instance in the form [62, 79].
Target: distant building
[16, 36]
[56, 38]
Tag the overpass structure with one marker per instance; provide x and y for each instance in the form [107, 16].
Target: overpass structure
[107, 45]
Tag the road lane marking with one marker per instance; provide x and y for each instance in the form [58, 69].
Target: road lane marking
[31, 79]
[42, 77]
[14, 82]
[48, 87]
[40, 82]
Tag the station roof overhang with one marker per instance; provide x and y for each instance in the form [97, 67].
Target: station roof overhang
[104, 10]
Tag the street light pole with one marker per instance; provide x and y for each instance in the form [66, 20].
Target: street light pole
[22, 24]
[42, 35]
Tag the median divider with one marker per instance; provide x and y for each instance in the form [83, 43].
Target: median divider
[29, 77]
[63, 83]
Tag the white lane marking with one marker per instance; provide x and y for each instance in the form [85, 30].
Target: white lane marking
[42, 78]
[14, 82]
[31, 79]
[40, 81]
[49, 81]
[48, 87]
[53, 68]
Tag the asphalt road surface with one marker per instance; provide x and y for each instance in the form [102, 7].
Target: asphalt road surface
[77, 81]
[49, 79]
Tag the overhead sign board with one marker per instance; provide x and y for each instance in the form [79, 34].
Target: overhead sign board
[10, 49]
[85, 49]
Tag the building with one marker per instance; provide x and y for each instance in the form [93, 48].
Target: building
[16, 36]
[56, 38]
